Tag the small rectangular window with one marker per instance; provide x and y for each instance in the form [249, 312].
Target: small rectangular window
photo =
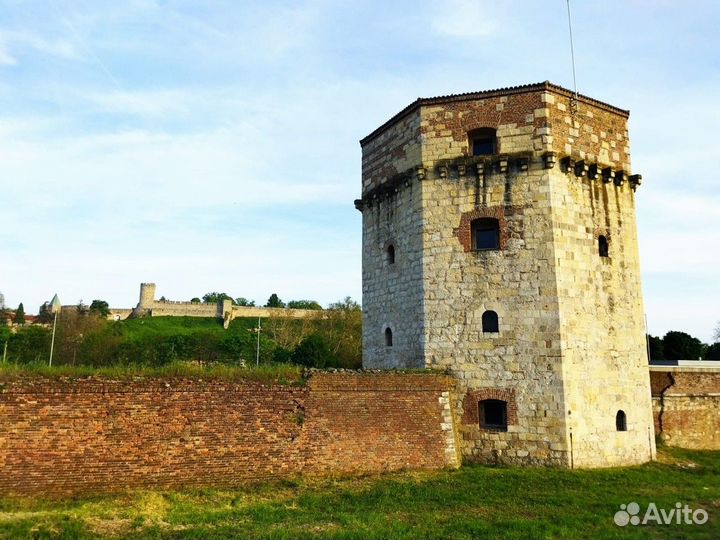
[486, 233]
[483, 146]
[493, 414]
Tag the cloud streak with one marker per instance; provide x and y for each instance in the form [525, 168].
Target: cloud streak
[215, 146]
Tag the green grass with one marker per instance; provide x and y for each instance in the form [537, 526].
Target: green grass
[266, 373]
[472, 502]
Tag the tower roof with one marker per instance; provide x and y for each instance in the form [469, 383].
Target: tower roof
[467, 96]
[55, 302]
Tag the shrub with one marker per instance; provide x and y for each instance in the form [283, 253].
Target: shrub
[314, 351]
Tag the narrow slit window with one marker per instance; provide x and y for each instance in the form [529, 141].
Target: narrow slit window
[388, 337]
[493, 414]
[390, 254]
[490, 322]
[603, 246]
[621, 421]
[485, 234]
[482, 142]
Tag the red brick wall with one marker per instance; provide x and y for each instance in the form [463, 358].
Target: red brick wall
[686, 407]
[73, 436]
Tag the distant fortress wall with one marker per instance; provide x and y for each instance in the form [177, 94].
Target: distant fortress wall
[150, 307]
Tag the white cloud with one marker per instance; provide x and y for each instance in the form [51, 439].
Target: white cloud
[61, 48]
[6, 59]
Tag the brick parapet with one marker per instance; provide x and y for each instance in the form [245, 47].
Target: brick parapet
[86, 435]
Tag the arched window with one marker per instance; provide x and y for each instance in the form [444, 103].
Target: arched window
[603, 247]
[493, 414]
[621, 421]
[388, 337]
[390, 252]
[490, 322]
[485, 234]
[482, 142]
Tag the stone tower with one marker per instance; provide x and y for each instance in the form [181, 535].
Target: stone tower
[147, 295]
[499, 242]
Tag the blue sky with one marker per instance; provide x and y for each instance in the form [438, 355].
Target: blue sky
[214, 145]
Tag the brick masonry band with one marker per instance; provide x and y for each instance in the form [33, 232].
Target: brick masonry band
[61, 437]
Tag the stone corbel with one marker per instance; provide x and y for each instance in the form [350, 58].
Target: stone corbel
[608, 175]
[581, 168]
[480, 168]
[502, 164]
[635, 180]
[594, 172]
[442, 171]
[359, 204]
[523, 164]
[567, 164]
[619, 178]
[420, 172]
[461, 169]
[549, 159]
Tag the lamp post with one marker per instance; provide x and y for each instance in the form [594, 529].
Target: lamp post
[55, 306]
[257, 348]
[257, 345]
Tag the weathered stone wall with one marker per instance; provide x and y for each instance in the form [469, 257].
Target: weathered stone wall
[517, 282]
[149, 306]
[160, 308]
[601, 309]
[568, 318]
[686, 406]
[392, 293]
[93, 435]
[119, 314]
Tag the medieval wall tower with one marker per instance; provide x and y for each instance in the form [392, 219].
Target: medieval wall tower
[147, 295]
[499, 242]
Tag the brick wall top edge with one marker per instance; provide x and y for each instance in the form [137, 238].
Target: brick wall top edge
[683, 369]
[317, 380]
[75, 385]
[684, 383]
[380, 381]
[470, 96]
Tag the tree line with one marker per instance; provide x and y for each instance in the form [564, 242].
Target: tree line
[85, 336]
[676, 345]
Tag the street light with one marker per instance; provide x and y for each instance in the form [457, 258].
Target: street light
[55, 307]
[257, 346]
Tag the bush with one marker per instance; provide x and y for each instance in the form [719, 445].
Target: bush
[29, 345]
[314, 351]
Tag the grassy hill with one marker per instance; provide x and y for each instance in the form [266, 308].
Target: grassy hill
[158, 341]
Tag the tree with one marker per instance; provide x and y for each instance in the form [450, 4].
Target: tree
[656, 348]
[241, 301]
[275, 302]
[342, 328]
[681, 346]
[313, 351]
[20, 314]
[100, 308]
[195, 300]
[45, 314]
[713, 352]
[73, 328]
[347, 304]
[303, 304]
[2, 308]
[215, 297]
